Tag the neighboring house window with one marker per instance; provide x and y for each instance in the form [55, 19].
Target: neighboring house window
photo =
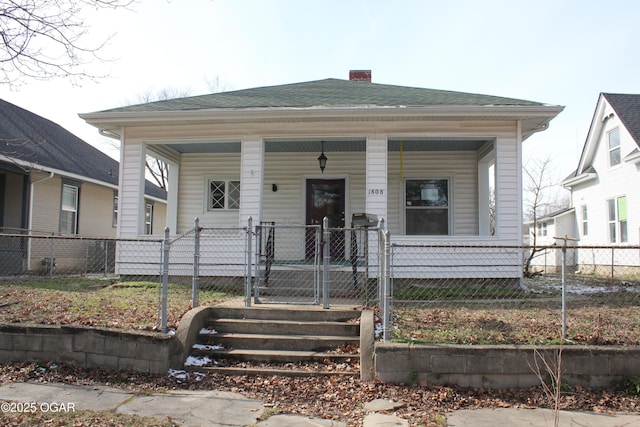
[148, 218]
[114, 220]
[223, 194]
[617, 213]
[542, 229]
[614, 147]
[585, 221]
[427, 206]
[69, 209]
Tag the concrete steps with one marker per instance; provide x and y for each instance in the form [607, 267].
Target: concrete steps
[280, 340]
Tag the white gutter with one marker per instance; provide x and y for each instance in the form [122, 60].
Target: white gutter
[55, 171]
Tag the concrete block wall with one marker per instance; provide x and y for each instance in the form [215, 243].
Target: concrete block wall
[87, 347]
[503, 366]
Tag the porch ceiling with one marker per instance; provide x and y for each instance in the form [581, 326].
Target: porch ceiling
[333, 145]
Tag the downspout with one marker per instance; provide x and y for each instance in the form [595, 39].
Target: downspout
[30, 213]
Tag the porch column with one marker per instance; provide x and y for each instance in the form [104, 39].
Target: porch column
[131, 188]
[376, 167]
[251, 180]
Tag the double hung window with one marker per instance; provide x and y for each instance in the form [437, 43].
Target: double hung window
[427, 207]
[69, 209]
[617, 215]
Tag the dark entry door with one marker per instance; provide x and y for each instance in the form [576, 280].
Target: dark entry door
[325, 197]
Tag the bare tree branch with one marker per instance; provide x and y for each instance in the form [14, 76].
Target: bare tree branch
[44, 39]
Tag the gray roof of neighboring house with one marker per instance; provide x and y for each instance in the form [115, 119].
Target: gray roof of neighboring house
[627, 107]
[31, 138]
[327, 92]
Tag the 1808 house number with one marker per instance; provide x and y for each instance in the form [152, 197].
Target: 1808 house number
[376, 192]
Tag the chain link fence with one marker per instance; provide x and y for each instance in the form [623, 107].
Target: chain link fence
[424, 293]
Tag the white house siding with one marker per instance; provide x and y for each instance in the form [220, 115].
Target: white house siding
[621, 180]
[459, 167]
[194, 171]
[508, 191]
[47, 197]
[131, 204]
[289, 172]
[95, 213]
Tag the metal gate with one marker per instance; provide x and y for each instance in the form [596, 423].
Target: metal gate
[294, 265]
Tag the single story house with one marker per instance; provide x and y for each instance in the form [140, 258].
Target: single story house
[421, 159]
[54, 183]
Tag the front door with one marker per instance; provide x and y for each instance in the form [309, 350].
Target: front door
[326, 197]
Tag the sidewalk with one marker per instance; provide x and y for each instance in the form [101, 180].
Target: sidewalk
[225, 409]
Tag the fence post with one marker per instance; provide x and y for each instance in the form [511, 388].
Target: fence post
[247, 284]
[258, 280]
[386, 310]
[52, 262]
[195, 288]
[165, 281]
[326, 259]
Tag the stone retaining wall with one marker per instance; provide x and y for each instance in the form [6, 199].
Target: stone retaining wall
[87, 347]
[504, 366]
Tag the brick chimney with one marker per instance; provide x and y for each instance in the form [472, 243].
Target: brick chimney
[360, 75]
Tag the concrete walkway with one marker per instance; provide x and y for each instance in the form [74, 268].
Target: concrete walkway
[225, 409]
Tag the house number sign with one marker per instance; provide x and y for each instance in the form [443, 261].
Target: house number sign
[375, 192]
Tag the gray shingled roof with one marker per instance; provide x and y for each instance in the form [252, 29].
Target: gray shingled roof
[31, 138]
[328, 92]
[627, 108]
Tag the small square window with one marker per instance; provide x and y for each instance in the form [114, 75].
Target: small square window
[223, 194]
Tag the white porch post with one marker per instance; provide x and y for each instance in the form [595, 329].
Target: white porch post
[251, 180]
[131, 188]
[376, 170]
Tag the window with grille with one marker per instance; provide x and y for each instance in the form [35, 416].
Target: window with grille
[223, 194]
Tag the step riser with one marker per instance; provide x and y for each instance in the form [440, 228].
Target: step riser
[287, 344]
[266, 328]
[274, 358]
[260, 313]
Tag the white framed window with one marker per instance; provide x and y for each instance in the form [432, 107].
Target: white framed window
[148, 218]
[542, 229]
[617, 219]
[584, 220]
[222, 194]
[69, 209]
[614, 147]
[427, 206]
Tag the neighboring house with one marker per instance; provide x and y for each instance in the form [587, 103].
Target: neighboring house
[54, 183]
[418, 158]
[605, 187]
[560, 223]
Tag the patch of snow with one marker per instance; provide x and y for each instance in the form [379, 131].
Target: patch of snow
[207, 347]
[197, 361]
[178, 374]
[206, 331]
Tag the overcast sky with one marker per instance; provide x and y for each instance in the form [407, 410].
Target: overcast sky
[551, 51]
